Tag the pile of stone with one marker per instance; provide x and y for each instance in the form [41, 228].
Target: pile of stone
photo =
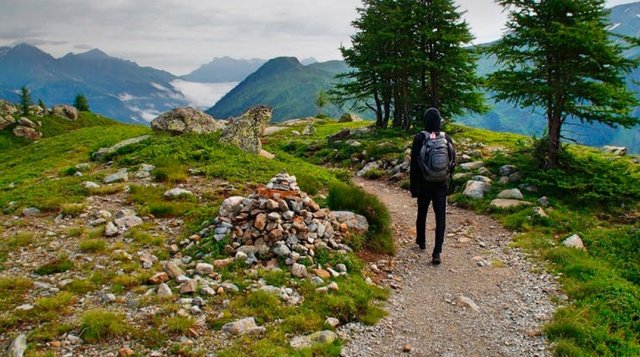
[279, 220]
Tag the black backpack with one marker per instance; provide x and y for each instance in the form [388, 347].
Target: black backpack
[434, 158]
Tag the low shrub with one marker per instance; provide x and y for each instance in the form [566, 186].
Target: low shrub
[98, 325]
[58, 265]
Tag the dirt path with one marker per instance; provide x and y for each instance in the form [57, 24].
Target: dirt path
[425, 310]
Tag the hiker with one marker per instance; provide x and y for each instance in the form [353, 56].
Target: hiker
[433, 158]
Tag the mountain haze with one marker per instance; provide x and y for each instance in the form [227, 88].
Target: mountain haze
[224, 69]
[114, 87]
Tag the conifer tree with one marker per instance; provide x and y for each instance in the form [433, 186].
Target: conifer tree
[409, 55]
[81, 103]
[322, 100]
[557, 55]
[25, 100]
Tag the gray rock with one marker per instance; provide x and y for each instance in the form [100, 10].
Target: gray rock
[504, 203]
[28, 123]
[309, 130]
[30, 212]
[245, 326]
[65, 111]
[120, 176]
[514, 194]
[104, 152]
[341, 268]
[470, 166]
[177, 192]
[27, 133]
[110, 230]
[204, 268]
[354, 222]
[245, 131]
[128, 222]
[186, 120]
[231, 206]
[544, 201]
[18, 346]
[574, 242]
[281, 249]
[164, 290]
[615, 150]
[539, 212]
[368, 167]
[323, 337]
[332, 321]
[508, 170]
[476, 189]
[299, 270]
[481, 179]
[173, 270]
[6, 121]
[467, 303]
[89, 185]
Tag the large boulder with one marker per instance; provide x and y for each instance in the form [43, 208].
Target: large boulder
[65, 111]
[349, 118]
[354, 222]
[6, 108]
[186, 120]
[26, 132]
[28, 123]
[245, 131]
[476, 189]
[615, 150]
[6, 121]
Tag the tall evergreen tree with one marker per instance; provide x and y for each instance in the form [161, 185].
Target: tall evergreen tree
[322, 100]
[409, 55]
[25, 100]
[81, 103]
[558, 55]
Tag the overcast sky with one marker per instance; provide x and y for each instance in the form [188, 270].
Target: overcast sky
[180, 35]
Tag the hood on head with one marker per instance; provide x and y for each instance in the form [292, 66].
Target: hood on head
[432, 120]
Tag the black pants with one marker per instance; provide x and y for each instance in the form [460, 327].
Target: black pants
[439, 199]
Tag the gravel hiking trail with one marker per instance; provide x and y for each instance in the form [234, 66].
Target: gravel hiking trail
[486, 299]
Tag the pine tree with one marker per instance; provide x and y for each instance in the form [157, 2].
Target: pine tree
[322, 100]
[25, 100]
[558, 55]
[81, 103]
[42, 105]
[409, 55]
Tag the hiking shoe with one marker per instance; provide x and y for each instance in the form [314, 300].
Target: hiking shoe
[436, 260]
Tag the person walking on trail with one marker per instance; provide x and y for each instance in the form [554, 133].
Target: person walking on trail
[433, 159]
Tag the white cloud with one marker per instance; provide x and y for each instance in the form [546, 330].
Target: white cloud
[203, 95]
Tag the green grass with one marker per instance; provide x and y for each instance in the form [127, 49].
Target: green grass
[179, 324]
[58, 265]
[92, 245]
[100, 325]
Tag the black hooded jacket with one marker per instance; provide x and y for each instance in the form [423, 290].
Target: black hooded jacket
[432, 124]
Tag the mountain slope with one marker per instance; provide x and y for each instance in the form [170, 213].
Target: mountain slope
[224, 69]
[114, 87]
[284, 84]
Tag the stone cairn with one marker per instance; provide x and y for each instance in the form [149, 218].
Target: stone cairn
[279, 220]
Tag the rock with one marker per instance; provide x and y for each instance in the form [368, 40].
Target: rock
[367, 168]
[574, 242]
[476, 189]
[470, 166]
[173, 270]
[502, 203]
[544, 201]
[333, 286]
[354, 222]
[299, 270]
[125, 352]
[539, 212]
[189, 287]
[105, 152]
[18, 346]
[208, 291]
[65, 111]
[514, 194]
[281, 250]
[164, 290]
[267, 155]
[26, 132]
[27, 123]
[89, 185]
[159, 278]
[120, 176]
[204, 269]
[245, 326]
[261, 221]
[128, 222]
[24, 307]
[310, 129]
[110, 230]
[245, 132]
[508, 170]
[349, 118]
[481, 179]
[31, 211]
[6, 121]
[407, 348]
[341, 135]
[467, 303]
[323, 337]
[332, 321]
[180, 121]
[231, 206]
[341, 268]
[615, 150]
[177, 193]
[270, 130]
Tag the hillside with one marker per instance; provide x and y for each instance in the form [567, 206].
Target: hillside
[224, 69]
[114, 87]
[286, 85]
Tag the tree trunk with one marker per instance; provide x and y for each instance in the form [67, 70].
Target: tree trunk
[555, 126]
